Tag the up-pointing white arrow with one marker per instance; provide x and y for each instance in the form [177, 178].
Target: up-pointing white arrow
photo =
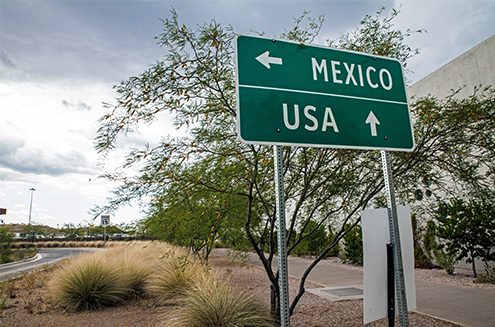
[373, 121]
[266, 60]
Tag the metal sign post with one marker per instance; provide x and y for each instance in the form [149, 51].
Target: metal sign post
[282, 243]
[105, 220]
[400, 288]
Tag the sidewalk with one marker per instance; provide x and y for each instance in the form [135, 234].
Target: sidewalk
[467, 306]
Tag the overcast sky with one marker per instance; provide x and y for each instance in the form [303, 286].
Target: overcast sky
[60, 59]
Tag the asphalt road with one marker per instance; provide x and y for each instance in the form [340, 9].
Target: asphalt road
[46, 256]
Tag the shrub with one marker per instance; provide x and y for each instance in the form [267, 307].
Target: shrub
[72, 244]
[214, 303]
[86, 283]
[97, 244]
[174, 275]
[6, 239]
[335, 251]
[20, 245]
[488, 276]
[135, 264]
[315, 240]
[353, 246]
[445, 259]
[468, 229]
[22, 254]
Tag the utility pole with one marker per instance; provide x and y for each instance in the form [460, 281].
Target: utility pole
[31, 204]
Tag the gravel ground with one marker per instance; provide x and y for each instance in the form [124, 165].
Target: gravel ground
[314, 311]
[29, 304]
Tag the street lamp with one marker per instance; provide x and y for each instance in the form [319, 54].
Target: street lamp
[31, 205]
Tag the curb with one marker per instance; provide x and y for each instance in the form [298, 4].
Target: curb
[34, 258]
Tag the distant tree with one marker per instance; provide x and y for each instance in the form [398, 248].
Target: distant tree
[33, 231]
[71, 231]
[468, 229]
[335, 251]
[314, 243]
[353, 246]
[6, 238]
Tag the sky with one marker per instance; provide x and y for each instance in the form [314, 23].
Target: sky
[59, 61]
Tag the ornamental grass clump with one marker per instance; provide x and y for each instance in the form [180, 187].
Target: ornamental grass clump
[135, 263]
[174, 275]
[88, 282]
[214, 303]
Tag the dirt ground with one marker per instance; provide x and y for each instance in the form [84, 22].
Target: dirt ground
[29, 305]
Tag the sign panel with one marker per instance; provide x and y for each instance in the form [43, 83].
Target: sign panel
[295, 94]
[105, 220]
[376, 236]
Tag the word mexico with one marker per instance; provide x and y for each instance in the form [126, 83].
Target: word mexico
[295, 94]
[322, 68]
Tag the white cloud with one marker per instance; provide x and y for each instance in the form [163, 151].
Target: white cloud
[452, 26]
[9, 67]
[77, 105]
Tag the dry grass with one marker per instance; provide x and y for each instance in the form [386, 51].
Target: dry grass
[135, 264]
[174, 273]
[212, 302]
[163, 273]
[126, 270]
[86, 283]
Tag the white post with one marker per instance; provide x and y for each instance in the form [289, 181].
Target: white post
[31, 204]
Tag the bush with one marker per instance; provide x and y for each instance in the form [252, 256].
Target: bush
[335, 251]
[6, 239]
[468, 229]
[488, 276]
[99, 279]
[353, 246]
[312, 244]
[135, 265]
[213, 303]
[22, 254]
[88, 282]
[445, 259]
[174, 275]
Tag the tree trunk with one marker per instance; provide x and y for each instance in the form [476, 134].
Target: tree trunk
[274, 302]
[473, 264]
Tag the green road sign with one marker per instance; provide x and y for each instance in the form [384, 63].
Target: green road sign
[295, 94]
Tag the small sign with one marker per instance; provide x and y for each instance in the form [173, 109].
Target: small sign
[105, 220]
[376, 236]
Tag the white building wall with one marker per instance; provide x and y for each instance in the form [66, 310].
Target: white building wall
[475, 67]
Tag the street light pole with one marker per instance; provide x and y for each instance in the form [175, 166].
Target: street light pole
[31, 204]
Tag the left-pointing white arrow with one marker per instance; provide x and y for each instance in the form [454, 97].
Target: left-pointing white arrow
[373, 121]
[266, 60]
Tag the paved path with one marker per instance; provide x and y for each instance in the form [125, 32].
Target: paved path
[467, 306]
